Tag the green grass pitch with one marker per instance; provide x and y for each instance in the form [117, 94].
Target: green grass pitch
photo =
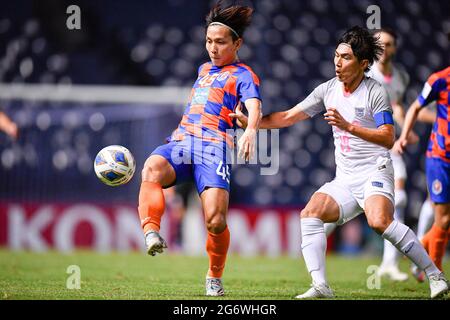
[25, 275]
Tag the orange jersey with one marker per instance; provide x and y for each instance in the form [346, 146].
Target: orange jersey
[216, 93]
[437, 89]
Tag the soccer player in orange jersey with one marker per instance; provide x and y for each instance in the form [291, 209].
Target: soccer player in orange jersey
[198, 148]
[437, 89]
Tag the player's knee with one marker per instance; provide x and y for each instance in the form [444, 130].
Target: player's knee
[215, 222]
[379, 223]
[150, 174]
[310, 213]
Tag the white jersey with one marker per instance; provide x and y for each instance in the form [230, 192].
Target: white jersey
[395, 85]
[354, 156]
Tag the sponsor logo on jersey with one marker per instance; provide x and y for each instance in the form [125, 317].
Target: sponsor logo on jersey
[436, 187]
[377, 184]
[223, 75]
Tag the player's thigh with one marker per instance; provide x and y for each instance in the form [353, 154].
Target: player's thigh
[215, 207]
[158, 169]
[169, 164]
[333, 202]
[321, 206]
[379, 210]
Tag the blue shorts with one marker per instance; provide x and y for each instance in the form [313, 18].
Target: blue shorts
[204, 162]
[438, 180]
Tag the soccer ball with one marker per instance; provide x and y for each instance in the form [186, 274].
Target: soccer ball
[114, 165]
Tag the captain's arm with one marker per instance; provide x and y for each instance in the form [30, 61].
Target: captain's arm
[384, 135]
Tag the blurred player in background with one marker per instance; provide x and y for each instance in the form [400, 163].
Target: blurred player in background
[198, 148]
[395, 80]
[359, 111]
[438, 159]
[8, 126]
[177, 202]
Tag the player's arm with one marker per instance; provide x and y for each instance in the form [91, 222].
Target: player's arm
[410, 120]
[273, 120]
[399, 118]
[8, 126]
[398, 113]
[246, 143]
[426, 115]
[383, 135]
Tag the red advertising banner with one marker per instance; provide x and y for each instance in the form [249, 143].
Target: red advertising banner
[101, 227]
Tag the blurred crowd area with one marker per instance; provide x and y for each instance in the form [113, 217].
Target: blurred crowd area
[290, 45]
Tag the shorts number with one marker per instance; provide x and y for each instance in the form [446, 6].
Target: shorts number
[223, 171]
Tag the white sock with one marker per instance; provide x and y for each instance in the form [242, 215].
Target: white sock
[391, 255]
[426, 219]
[314, 246]
[329, 228]
[406, 241]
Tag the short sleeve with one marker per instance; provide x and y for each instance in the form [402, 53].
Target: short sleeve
[379, 99]
[248, 86]
[431, 89]
[380, 105]
[314, 103]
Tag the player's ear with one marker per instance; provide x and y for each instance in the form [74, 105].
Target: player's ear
[364, 64]
[238, 43]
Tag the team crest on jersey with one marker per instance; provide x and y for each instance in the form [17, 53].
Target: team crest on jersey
[436, 187]
[359, 112]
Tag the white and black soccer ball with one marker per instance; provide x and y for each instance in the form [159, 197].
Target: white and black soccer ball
[114, 165]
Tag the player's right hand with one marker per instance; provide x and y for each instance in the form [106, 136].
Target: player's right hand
[241, 118]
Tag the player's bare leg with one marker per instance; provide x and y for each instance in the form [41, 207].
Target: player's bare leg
[321, 208]
[379, 212]
[215, 207]
[156, 174]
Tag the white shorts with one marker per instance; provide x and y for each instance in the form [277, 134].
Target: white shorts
[351, 193]
[399, 166]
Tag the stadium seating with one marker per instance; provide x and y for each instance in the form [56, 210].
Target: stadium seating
[290, 46]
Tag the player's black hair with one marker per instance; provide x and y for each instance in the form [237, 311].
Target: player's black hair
[236, 17]
[364, 45]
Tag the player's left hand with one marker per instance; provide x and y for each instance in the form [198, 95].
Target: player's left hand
[400, 145]
[246, 144]
[413, 138]
[334, 118]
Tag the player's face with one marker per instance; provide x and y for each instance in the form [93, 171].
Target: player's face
[388, 43]
[347, 65]
[221, 48]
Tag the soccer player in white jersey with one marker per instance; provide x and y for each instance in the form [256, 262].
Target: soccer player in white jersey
[360, 114]
[395, 80]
